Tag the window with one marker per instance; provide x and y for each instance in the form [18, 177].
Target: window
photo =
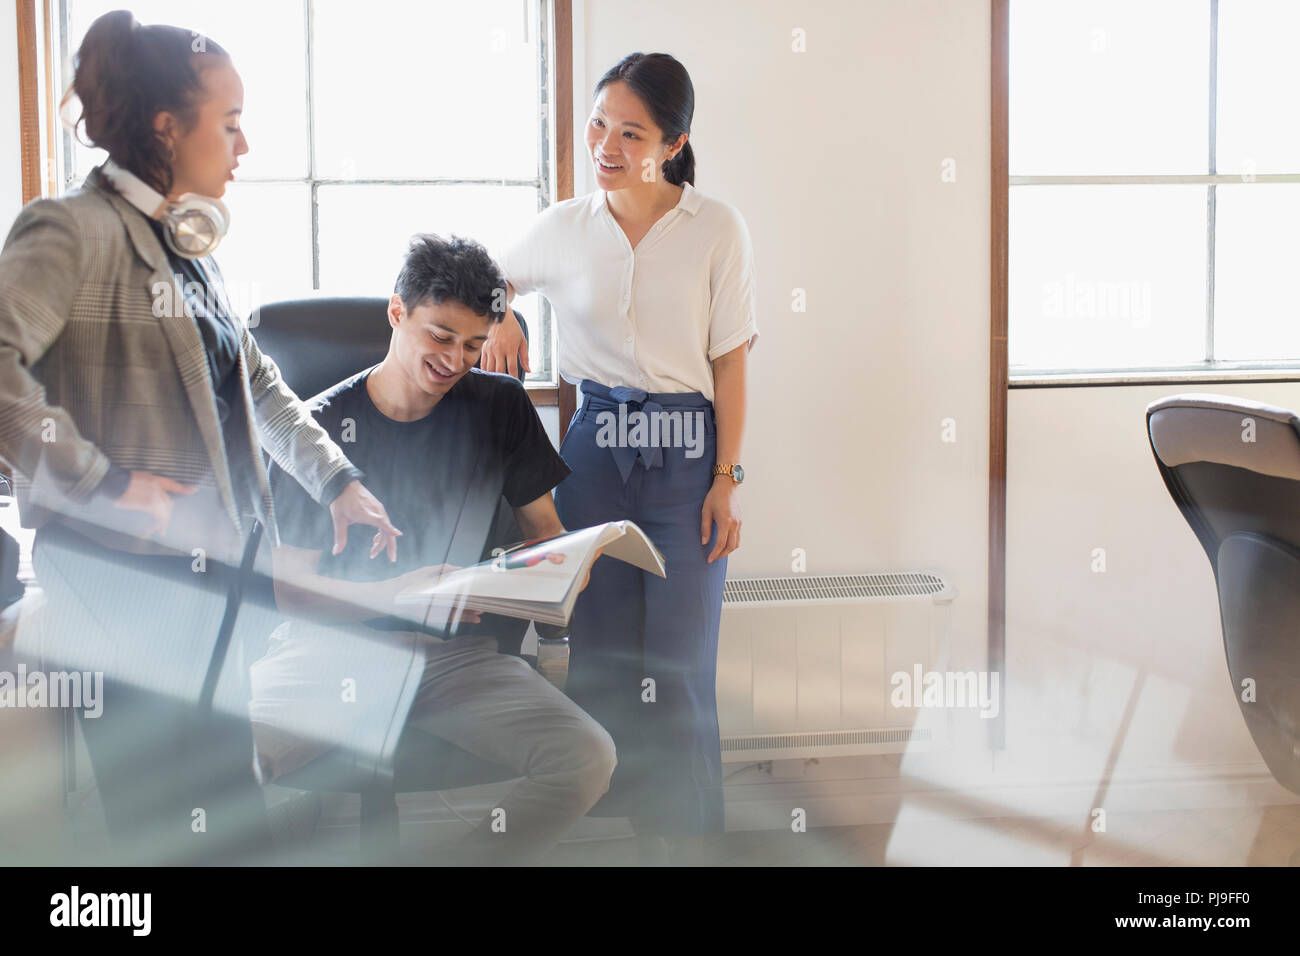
[368, 123]
[1154, 187]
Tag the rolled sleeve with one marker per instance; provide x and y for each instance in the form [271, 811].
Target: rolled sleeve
[733, 309]
[524, 263]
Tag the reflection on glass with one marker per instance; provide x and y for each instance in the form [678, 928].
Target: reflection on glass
[1259, 83]
[1109, 87]
[1107, 276]
[1256, 312]
[427, 90]
[267, 44]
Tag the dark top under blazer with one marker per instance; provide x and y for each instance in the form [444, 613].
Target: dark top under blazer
[100, 365]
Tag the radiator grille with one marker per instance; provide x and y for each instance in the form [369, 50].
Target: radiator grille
[831, 738]
[803, 588]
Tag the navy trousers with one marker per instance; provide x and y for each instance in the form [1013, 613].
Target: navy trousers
[644, 649]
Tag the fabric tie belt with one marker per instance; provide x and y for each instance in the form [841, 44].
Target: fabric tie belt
[627, 400]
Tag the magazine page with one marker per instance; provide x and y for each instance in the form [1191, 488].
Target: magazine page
[629, 543]
[535, 575]
[540, 574]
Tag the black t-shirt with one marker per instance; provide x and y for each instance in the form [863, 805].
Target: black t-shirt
[440, 478]
[216, 327]
[221, 344]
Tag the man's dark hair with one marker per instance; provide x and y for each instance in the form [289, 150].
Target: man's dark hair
[455, 269]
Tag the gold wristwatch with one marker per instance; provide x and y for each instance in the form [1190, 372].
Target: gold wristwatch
[735, 472]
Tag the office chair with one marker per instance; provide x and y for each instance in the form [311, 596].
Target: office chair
[317, 343]
[1233, 468]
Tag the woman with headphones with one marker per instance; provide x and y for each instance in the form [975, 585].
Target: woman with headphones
[652, 283]
[134, 409]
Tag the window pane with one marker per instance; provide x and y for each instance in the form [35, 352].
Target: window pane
[1259, 82]
[267, 44]
[267, 255]
[1257, 246]
[1109, 87]
[427, 90]
[1107, 276]
[364, 231]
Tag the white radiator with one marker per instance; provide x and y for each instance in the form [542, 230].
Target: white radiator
[804, 664]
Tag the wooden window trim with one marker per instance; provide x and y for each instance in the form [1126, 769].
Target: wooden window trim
[29, 111]
[562, 394]
[545, 395]
[29, 114]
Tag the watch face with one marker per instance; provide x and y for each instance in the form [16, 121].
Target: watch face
[738, 473]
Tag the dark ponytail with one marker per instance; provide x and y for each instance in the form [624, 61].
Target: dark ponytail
[681, 168]
[125, 74]
[664, 86]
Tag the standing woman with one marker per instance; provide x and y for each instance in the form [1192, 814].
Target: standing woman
[134, 407]
[652, 283]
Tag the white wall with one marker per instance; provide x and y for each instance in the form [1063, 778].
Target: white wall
[1080, 477]
[833, 157]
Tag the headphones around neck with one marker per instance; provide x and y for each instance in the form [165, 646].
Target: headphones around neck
[193, 225]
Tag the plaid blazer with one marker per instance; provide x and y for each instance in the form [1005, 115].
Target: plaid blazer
[101, 363]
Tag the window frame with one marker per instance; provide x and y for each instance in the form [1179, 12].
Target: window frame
[1000, 382]
[553, 183]
[1210, 371]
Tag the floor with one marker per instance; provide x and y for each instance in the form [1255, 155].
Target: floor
[1246, 836]
[326, 833]
[1267, 836]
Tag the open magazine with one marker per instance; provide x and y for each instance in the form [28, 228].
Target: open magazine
[539, 581]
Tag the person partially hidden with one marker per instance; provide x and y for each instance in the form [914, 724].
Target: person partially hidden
[440, 442]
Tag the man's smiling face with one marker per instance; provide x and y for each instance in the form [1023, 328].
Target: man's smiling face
[436, 343]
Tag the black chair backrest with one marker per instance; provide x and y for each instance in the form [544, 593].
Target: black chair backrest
[1233, 468]
[318, 342]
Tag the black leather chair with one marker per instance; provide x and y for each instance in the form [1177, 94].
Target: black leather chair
[317, 343]
[1233, 468]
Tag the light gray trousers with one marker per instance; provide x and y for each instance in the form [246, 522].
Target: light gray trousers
[317, 688]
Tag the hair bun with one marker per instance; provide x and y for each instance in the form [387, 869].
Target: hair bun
[117, 29]
[124, 75]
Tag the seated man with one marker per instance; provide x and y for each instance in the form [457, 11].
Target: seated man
[440, 442]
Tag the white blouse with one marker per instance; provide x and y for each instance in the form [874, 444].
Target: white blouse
[652, 318]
